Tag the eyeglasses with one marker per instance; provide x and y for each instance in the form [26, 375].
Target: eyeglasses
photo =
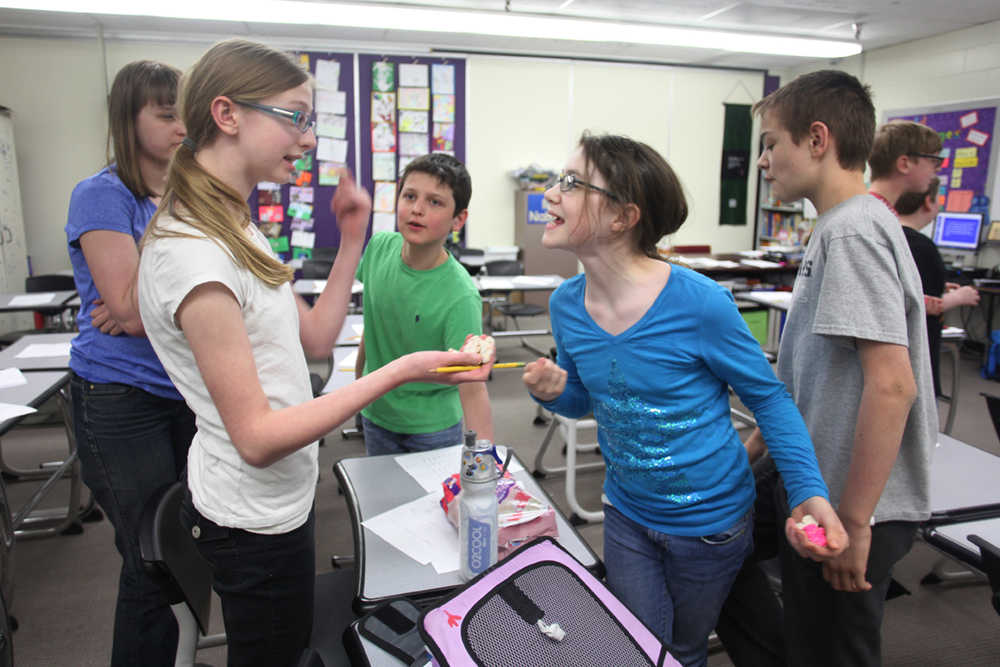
[300, 119]
[569, 182]
[938, 160]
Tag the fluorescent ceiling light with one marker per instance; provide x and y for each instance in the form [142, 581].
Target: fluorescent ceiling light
[498, 24]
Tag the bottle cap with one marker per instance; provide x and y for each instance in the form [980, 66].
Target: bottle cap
[478, 464]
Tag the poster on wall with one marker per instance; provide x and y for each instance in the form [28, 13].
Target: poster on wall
[967, 141]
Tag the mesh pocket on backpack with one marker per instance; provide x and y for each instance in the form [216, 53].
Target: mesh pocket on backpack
[501, 629]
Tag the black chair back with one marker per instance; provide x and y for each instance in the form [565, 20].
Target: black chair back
[54, 282]
[504, 267]
[170, 556]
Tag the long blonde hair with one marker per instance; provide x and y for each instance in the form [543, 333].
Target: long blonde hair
[237, 69]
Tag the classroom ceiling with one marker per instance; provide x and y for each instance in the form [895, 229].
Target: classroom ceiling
[875, 23]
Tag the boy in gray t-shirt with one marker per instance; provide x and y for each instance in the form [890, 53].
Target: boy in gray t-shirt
[854, 358]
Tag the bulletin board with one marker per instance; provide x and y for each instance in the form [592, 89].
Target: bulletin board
[408, 106]
[967, 132]
[296, 216]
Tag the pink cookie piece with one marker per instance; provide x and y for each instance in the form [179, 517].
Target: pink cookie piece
[815, 533]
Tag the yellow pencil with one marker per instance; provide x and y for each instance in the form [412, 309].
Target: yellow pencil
[457, 369]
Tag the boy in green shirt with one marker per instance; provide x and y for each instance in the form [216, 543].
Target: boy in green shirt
[418, 297]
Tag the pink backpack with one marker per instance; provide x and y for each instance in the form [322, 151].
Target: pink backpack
[539, 607]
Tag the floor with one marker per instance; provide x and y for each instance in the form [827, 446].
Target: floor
[65, 586]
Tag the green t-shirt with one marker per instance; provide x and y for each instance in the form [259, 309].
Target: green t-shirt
[408, 311]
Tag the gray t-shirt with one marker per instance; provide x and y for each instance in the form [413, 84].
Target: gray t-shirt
[858, 280]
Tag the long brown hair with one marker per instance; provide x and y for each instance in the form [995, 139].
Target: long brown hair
[237, 69]
[136, 85]
[635, 173]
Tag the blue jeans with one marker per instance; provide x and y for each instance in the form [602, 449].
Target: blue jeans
[380, 441]
[675, 585]
[266, 584]
[130, 444]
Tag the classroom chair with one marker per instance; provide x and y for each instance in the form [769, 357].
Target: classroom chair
[993, 405]
[171, 558]
[508, 308]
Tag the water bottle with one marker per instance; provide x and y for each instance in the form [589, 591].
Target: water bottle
[477, 503]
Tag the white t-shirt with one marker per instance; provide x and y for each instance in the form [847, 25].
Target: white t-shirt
[225, 488]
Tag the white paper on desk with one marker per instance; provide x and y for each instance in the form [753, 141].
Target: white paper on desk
[533, 281]
[10, 411]
[358, 329]
[12, 377]
[432, 467]
[760, 263]
[421, 531]
[494, 283]
[349, 362]
[952, 332]
[44, 350]
[39, 299]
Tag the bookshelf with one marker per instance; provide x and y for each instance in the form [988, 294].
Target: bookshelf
[781, 223]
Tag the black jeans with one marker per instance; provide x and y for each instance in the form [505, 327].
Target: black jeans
[817, 626]
[130, 444]
[266, 584]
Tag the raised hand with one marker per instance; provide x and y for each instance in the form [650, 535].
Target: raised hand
[352, 205]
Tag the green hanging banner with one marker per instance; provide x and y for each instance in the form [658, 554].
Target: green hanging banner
[735, 165]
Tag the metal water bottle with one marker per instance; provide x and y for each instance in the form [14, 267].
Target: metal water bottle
[477, 518]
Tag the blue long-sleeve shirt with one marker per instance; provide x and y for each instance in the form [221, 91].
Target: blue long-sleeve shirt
[659, 393]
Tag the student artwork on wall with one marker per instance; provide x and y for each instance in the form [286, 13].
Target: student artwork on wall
[415, 105]
[296, 216]
[967, 139]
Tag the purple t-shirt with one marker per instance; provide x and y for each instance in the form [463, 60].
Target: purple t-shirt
[103, 202]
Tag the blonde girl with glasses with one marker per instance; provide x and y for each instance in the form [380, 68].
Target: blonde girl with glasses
[220, 312]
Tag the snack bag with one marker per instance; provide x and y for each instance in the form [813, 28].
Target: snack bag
[521, 517]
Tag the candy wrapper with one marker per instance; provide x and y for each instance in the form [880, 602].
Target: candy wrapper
[521, 517]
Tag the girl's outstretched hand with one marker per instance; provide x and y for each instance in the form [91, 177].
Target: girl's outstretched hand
[421, 367]
[544, 379]
[352, 206]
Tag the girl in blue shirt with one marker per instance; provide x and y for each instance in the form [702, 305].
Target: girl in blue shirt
[132, 427]
[651, 349]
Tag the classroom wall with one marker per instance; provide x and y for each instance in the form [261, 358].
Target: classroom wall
[521, 111]
[541, 107]
[963, 65]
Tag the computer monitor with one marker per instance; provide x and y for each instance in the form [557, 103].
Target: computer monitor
[958, 231]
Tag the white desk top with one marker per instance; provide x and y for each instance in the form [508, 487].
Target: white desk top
[375, 484]
[14, 356]
[771, 299]
[307, 287]
[958, 533]
[962, 476]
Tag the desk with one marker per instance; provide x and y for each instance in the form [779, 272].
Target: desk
[489, 285]
[49, 303]
[778, 303]
[349, 335]
[375, 484]
[965, 500]
[719, 266]
[339, 377]
[964, 479]
[40, 387]
[309, 287]
[9, 356]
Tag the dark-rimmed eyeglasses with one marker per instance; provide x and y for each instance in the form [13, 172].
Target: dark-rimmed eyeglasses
[300, 119]
[938, 160]
[569, 182]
